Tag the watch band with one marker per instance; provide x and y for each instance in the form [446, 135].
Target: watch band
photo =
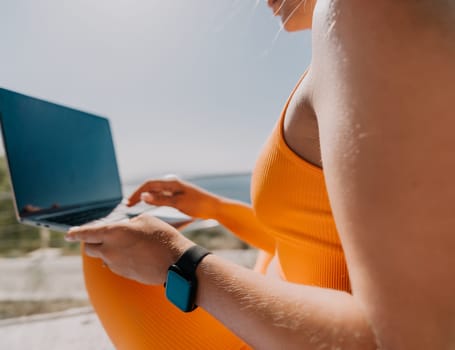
[190, 259]
[181, 282]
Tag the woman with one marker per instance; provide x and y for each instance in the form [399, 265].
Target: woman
[376, 110]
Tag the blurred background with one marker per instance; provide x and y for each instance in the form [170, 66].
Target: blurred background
[191, 88]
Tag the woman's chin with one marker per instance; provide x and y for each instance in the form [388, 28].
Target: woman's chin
[290, 26]
[295, 24]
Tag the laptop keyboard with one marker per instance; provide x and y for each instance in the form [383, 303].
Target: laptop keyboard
[79, 218]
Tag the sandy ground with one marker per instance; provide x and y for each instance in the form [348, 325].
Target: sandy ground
[74, 329]
[47, 276]
[44, 275]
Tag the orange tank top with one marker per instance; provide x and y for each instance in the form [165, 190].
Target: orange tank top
[289, 197]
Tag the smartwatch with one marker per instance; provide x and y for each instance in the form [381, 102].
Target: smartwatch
[181, 282]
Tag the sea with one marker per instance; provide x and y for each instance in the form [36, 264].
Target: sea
[234, 186]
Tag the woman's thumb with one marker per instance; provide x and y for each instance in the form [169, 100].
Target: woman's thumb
[147, 197]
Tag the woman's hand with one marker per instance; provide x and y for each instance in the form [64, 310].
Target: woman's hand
[236, 216]
[179, 194]
[141, 249]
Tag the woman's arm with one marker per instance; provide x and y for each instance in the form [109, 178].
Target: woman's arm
[238, 217]
[386, 110]
[266, 313]
[272, 314]
[384, 105]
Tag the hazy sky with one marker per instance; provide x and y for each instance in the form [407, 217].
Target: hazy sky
[190, 86]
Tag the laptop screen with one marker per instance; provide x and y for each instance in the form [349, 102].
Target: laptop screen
[58, 157]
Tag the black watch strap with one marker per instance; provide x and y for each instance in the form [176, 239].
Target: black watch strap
[181, 282]
[189, 261]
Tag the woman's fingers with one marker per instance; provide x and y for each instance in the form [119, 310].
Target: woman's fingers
[147, 197]
[93, 250]
[161, 198]
[93, 238]
[160, 190]
[89, 234]
[136, 196]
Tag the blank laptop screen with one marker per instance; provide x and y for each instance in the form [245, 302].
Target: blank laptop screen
[58, 157]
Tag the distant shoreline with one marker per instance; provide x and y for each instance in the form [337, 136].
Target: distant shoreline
[190, 177]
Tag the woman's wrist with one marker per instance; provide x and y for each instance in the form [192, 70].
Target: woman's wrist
[179, 244]
[174, 244]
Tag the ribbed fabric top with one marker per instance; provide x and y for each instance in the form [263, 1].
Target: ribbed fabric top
[290, 198]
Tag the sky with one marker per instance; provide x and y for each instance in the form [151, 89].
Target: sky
[190, 87]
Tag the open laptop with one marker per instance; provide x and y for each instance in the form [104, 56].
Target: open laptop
[62, 165]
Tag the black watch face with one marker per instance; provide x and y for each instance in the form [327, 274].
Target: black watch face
[179, 290]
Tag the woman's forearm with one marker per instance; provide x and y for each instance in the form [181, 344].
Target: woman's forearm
[239, 218]
[271, 314]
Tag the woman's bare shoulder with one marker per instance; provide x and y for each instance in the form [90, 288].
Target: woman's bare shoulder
[376, 50]
[384, 96]
[384, 32]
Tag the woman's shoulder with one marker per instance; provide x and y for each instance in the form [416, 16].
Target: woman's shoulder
[387, 19]
[404, 41]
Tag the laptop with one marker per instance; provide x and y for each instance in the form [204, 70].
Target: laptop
[62, 166]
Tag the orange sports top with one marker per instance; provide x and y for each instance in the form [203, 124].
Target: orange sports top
[289, 197]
